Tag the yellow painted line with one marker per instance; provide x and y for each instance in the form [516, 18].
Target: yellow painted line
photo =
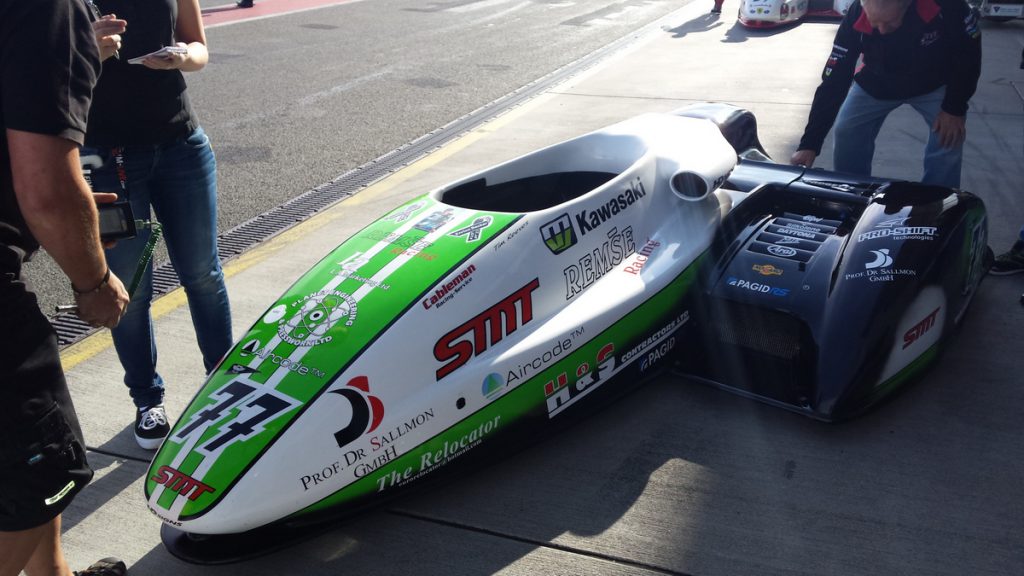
[88, 347]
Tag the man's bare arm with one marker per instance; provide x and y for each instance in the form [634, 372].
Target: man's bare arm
[59, 210]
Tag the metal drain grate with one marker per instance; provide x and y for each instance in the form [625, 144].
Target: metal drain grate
[271, 223]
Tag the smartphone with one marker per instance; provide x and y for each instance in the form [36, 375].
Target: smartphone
[161, 53]
[117, 221]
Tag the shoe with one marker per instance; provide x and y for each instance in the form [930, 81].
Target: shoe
[244, 3]
[716, 10]
[1011, 262]
[151, 426]
[105, 567]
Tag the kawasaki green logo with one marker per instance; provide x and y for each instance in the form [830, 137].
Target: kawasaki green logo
[559, 235]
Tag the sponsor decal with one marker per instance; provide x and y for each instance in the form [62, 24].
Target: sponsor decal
[893, 222]
[971, 24]
[181, 483]
[920, 329]
[240, 369]
[351, 265]
[767, 270]
[783, 251]
[559, 235]
[253, 348]
[353, 460]
[472, 232]
[435, 220]
[882, 259]
[641, 257]
[414, 253]
[882, 274]
[488, 328]
[317, 314]
[590, 220]
[596, 264]
[790, 231]
[405, 242]
[895, 228]
[929, 38]
[802, 227]
[437, 457]
[757, 287]
[367, 410]
[167, 520]
[404, 214]
[492, 385]
[528, 369]
[561, 393]
[838, 53]
[975, 264]
[449, 289]
[383, 441]
[787, 240]
[809, 218]
[657, 353]
[274, 315]
[653, 340]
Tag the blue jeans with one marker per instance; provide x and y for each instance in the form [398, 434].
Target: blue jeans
[860, 119]
[179, 181]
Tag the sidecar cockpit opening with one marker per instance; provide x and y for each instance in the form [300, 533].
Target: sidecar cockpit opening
[549, 177]
[527, 194]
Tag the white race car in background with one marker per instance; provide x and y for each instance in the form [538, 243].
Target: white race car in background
[1001, 10]
[772, 13]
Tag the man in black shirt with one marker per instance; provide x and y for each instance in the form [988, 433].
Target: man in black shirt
[925, 53]
[48, 65]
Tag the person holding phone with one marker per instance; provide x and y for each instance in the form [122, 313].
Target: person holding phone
[157, 157]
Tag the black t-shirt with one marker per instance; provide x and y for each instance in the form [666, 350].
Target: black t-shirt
[48, 66]
[135, 105]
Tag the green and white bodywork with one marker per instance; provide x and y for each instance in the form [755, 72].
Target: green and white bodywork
[467, 318]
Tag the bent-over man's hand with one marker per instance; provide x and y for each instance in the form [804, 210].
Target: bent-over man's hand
[951, 130]
[803, 158]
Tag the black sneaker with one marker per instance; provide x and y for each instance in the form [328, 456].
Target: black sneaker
[105, 567]
[1011, 262]
[244, 3]
[151, 426]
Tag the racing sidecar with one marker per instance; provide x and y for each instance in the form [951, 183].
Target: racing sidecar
[772, 13]
[470, 321]
[999, 10]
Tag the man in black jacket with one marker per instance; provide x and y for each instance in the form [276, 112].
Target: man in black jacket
[925, 53]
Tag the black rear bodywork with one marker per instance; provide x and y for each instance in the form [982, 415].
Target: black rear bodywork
[823, 292]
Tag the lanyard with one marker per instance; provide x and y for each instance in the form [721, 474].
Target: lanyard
[119, 167]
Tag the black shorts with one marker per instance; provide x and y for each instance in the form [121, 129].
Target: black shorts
[42, 454]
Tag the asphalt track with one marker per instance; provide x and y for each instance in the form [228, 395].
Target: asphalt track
[677, 478]
[298, 92]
